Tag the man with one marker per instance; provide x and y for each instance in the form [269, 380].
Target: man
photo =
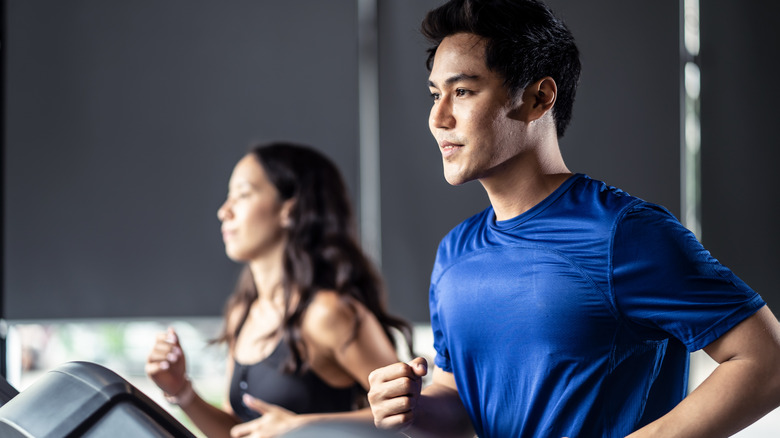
[568, 307]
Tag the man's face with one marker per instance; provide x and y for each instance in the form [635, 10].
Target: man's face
[471, 113]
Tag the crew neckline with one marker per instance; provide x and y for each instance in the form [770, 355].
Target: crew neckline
[536, 209]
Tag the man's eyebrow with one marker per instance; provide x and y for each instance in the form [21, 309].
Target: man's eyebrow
[456, 78]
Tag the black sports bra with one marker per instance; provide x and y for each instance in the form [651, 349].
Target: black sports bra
[301, 393]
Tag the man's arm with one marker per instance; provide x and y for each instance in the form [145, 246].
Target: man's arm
[743, 388]
[398, 400]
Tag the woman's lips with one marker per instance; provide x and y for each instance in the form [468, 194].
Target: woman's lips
[227, 234]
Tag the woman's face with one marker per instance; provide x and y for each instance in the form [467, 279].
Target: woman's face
[253, 218]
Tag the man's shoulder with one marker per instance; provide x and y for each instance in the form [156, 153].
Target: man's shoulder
[622, 204]
[589, 196]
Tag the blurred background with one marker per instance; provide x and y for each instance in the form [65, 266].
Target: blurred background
[122, 122]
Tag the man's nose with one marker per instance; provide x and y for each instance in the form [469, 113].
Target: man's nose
[441, 115]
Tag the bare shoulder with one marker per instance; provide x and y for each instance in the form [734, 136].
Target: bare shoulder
[331, 319]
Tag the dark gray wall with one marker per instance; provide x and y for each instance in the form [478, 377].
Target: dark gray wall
[740, 94]
[123, 123]
[124, 119]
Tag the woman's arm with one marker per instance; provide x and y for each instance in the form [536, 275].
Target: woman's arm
[166, 366]
[212, 421]
[346, 341]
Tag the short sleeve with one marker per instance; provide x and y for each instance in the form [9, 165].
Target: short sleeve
[442, 359]
[666, 284]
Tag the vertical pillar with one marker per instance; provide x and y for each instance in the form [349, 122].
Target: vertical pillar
[690, 126]
[368, 106]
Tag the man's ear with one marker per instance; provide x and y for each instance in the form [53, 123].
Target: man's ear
[538, 98]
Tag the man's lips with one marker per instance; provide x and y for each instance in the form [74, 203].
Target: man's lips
[448, 148]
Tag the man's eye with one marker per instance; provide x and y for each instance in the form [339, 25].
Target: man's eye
[460, 92]
[435, 96]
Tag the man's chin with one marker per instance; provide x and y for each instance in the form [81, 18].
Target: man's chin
[455, 179]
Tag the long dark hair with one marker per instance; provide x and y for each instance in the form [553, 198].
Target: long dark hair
[322, 252]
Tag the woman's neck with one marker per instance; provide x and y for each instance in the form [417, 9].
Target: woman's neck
[268, 273]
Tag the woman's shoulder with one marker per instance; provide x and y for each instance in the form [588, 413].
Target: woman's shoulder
[329, 307]
[330, 317]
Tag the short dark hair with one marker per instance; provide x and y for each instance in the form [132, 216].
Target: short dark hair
[525, 42]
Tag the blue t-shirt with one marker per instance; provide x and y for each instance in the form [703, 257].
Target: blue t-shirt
[575, 319]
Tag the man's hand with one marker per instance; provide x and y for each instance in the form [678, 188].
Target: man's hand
[395, 390]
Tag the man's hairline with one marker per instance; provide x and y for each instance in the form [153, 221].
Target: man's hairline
[515, 92]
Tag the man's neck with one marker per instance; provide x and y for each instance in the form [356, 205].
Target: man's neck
[524, 182]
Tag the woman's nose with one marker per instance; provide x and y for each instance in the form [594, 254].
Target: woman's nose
[223, 212]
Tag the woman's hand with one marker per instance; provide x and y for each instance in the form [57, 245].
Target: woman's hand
[166, 365]
[275, 420]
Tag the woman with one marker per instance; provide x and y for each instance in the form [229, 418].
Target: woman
[306, 324]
